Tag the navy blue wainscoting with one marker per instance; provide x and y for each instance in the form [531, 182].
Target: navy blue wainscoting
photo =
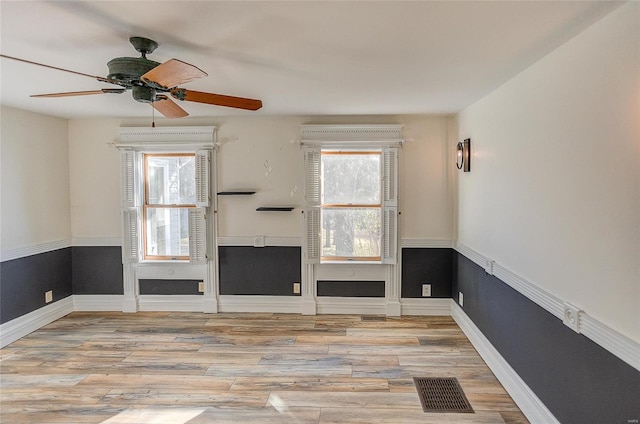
[24, 281]
[351, 288]
[578, 381]
[270, 270]
[97, 270]
[426, 266]
[169, 287]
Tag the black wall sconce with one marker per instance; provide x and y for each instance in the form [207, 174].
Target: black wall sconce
[463, 155]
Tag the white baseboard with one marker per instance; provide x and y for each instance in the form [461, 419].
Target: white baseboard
[523, 396]
[269, 304]
[171, 303]
[19, 327]
[423, 306]
[97, 302]
[210, 304]
[308, 306]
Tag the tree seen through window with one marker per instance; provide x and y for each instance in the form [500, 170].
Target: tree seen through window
[351, 205]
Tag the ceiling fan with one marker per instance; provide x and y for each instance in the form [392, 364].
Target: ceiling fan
[152, 82]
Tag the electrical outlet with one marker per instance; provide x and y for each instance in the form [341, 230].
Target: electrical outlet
[489, 265]
[48, 296]
[201, 286]
[258, 241]
[296, 288]
[426, 290]
[460, 299]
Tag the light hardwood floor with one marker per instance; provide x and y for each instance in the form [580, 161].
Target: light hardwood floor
[241, 368]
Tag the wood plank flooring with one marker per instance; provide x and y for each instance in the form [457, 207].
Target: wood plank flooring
[178, 368]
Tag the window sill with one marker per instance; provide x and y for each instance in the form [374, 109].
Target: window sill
[353, 262]
[163, 261]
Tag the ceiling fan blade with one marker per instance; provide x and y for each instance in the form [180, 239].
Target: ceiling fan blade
[82, 93]
[173, 73]
[99, 78]
[217, 99]
[169, 108]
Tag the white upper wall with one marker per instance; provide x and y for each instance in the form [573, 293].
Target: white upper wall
[34, 179]
[94, 168]
[247, 144]
[554, 189]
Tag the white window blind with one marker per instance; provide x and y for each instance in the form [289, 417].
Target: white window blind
[203, 197]
[312, 176]
[197, 236]
[389, 235]
[312, 197]
[127, 178]
[130, 236]
[390, 176]
[390, 205]
[312, 234]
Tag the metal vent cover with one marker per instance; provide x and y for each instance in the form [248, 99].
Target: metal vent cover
[442, 395]
[372, 318]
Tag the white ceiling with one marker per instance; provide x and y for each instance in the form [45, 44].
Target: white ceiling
[300, 57]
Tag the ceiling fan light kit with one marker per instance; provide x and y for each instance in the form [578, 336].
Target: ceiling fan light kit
[149, 80]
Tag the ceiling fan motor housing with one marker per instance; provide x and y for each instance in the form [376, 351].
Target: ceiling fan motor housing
[128, 70]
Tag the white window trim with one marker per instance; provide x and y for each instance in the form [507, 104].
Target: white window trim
[313, 138]
[132, 143]
[165, 138]
[355, 136]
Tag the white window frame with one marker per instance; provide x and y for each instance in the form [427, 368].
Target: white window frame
[132, 195]
[133, 142]
[314, 138]
[147, 205]
[379, 206]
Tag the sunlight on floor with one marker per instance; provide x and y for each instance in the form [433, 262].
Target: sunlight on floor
[156, 416]
[280, 405]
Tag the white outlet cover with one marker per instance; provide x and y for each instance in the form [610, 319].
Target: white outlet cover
[460, 299]
[489, 265]
[426, 290]
[296, 288]
[571, 316]
[48, 296]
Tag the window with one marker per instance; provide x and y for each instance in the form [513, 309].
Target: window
[165, 200]
[169, 193]
[351, 205]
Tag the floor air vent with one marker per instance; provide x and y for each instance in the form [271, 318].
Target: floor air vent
[442, 395]
[372, 318]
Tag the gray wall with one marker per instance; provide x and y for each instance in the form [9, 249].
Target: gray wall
[578, 381]
[270, 270]
[24, 281]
